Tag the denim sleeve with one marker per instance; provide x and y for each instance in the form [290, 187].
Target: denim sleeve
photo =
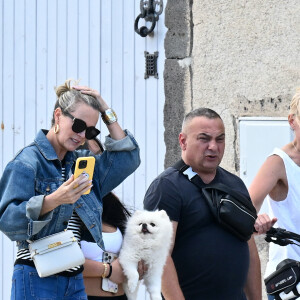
[33, 210]
[126, 144]
[19, 207]
[120, 159]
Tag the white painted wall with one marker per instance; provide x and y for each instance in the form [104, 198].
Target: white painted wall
[45, 42]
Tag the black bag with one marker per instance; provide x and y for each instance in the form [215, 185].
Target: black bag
[232, 210]
[284, 279]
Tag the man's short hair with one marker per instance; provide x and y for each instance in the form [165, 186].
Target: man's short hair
[201, 112]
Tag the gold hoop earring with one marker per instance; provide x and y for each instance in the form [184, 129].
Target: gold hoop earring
[56, 129]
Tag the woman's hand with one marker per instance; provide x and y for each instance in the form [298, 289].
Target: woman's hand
[117, 275]
[115, 131]
[68, 193]
[263, 223]
[87, 90]
[142, 269]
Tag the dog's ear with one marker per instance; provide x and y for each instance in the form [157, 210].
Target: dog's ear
[163, 214]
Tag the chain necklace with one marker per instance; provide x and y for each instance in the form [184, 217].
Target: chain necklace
[297, 150]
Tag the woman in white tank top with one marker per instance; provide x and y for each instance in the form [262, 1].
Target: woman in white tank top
[114, 218]
[279, 179]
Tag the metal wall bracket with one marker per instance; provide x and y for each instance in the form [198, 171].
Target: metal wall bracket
[151, 64]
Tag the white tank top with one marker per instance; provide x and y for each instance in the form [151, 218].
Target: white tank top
[112, 242]
[287, 212]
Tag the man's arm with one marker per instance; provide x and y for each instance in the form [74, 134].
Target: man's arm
[253, 289]
[170, 285]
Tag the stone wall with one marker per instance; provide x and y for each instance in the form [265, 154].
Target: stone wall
[240, 58]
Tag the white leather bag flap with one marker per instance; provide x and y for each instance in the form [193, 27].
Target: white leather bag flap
[56, 253]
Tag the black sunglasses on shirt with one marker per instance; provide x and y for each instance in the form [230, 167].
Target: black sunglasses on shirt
[79, 125]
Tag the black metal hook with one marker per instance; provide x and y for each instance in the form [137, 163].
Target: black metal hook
[148, 13]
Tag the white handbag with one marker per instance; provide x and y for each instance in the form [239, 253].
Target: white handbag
[56, 253]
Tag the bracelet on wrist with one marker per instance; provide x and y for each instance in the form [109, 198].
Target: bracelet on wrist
[105, 270]
[109, 116]
[110, 270]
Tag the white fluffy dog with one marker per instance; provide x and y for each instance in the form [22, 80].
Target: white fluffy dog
[147, 237]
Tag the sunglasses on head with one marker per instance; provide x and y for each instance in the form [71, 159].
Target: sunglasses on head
[79, 126]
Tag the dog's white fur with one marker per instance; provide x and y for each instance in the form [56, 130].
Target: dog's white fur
[147, 237]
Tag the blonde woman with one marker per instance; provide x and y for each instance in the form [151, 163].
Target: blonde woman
[39, 196]
[279, 180]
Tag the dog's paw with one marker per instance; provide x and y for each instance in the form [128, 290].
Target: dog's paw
[132, 285]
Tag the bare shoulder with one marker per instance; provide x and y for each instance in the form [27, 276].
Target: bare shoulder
[270, 176]
[274, 165]
[289, 149]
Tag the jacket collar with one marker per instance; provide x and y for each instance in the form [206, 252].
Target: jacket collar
[47, 149]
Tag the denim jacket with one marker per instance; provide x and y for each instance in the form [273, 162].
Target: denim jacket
[36, 171]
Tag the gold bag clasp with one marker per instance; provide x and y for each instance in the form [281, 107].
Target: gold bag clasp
[54, 245]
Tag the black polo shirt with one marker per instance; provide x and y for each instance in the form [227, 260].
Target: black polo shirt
[211, 263]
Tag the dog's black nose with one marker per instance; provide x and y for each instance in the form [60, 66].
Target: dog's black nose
[145, 228]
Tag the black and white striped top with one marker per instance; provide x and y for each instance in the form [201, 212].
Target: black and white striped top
[74, 224]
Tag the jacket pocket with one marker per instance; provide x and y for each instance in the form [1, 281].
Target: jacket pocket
[47, 186]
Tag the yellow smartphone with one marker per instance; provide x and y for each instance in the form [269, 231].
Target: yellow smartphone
[85, 165]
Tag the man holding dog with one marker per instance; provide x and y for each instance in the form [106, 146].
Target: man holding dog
[206, 261]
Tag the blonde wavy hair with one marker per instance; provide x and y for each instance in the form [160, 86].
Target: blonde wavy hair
[295, 105]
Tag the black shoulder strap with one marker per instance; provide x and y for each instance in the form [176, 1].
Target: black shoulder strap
[195, 179]
[187, 171]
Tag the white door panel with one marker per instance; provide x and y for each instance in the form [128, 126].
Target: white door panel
[258, 137]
